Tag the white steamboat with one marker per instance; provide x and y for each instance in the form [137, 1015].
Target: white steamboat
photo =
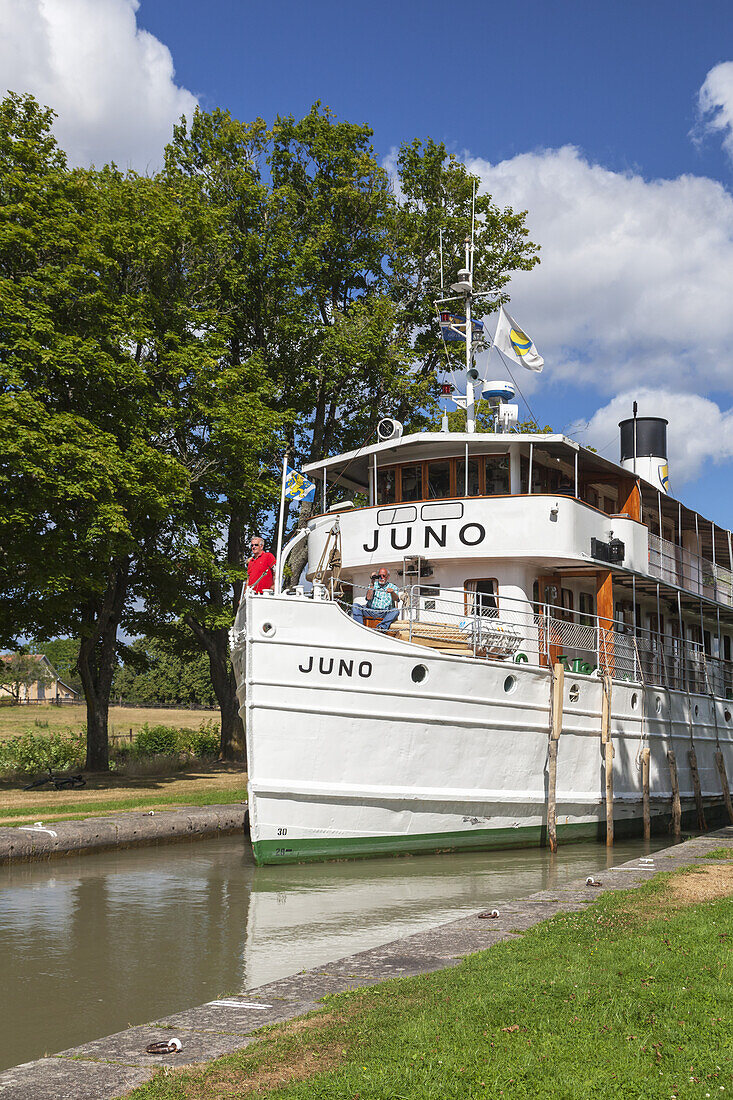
[529, 568]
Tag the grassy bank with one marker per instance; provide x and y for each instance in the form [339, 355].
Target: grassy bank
[45, 717]
[630, 998]
[203, 785]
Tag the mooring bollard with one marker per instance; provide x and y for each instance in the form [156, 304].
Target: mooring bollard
[720, 764]
[645, 807]
[558, 690]
[608, 754]
[692, 757]
[676, 806]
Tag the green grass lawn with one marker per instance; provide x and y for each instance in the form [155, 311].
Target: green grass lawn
[631, 998]
[69, 811]
[201, 785]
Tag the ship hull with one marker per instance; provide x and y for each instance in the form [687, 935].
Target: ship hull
[360, 744]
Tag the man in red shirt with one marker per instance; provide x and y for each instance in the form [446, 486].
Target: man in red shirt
[260, 566]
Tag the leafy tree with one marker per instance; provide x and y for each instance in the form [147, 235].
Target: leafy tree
[87, 488]
[154, 673]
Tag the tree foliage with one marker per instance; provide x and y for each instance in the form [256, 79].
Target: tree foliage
[153, 673]
[165, 339]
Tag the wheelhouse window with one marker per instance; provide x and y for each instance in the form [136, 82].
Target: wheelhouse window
[496, 474]
[439, 479]
[412, 483]
[386, 486]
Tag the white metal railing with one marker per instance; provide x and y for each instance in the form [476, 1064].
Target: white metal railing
[679, 566]
[509, 629]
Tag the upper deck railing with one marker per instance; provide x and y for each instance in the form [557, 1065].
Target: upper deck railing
[674, 564]
[513, 630]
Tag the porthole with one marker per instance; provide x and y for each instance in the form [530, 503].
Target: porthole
[418, 674]
[510, 684]
[574, 693]
[634, 701]
[697, 710]
[658, 705]
[267, 629]
[726, 714]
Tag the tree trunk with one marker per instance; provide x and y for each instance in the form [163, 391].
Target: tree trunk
[216, 644]
[96, 663]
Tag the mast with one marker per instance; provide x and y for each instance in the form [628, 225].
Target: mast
[470, 392]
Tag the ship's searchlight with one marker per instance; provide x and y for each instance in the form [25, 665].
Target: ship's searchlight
[388, 429]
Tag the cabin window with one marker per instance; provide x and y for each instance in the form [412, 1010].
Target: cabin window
[438, 479]
[496, 472]
[586, 609]
[474, 485]
[566, 602]
[412, 483]
[481, 597]
[726, 647]
[386, 487]
[551, 594]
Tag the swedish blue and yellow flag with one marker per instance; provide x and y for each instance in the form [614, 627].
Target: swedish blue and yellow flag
[297, 486]
[513, 342]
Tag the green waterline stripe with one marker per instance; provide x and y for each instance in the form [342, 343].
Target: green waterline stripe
[311, 849]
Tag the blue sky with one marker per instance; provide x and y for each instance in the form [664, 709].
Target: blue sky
[612, 123]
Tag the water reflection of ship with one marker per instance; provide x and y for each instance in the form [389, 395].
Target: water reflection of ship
[308, 915]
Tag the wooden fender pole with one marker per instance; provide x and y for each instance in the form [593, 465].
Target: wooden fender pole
[692, 757]
[676, 806]
[646, 812]
[608, 757]
[720, 763]
[558, 694]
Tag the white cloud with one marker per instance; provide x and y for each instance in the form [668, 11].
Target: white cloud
[634, 283]
[111, 83]
[698, 429]
[715, 104]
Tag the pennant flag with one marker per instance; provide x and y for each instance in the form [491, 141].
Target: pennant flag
[453, 326]
[298, 487]
[512, 341]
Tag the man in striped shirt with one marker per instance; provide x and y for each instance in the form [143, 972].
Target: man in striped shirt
[381, 603]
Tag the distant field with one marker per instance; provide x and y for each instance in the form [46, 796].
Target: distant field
[46, 719]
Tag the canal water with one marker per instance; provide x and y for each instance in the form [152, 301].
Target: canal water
[91, 944]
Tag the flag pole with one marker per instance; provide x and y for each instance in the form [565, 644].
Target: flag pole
[278, 577]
